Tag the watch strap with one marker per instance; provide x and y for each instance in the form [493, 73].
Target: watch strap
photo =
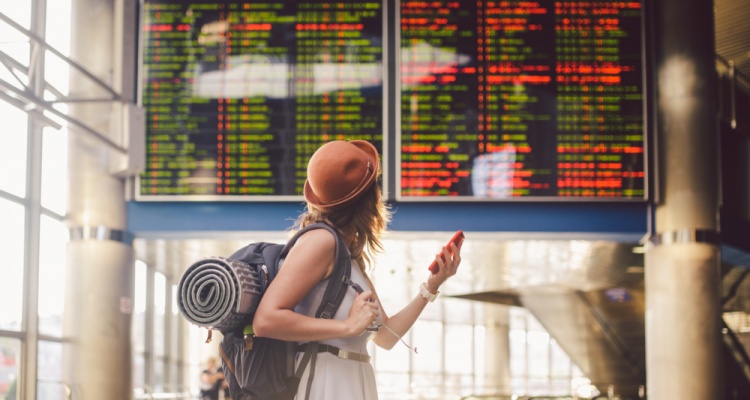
[426, 294]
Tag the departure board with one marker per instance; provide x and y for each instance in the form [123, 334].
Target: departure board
[521, 100]
[239, 94]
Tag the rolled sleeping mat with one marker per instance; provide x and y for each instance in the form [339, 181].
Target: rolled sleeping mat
[219, 293]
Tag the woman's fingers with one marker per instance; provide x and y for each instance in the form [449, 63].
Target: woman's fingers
[448, 259]
[364, 311]
[456, 253]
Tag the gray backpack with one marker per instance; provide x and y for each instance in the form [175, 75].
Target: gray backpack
[255, 368]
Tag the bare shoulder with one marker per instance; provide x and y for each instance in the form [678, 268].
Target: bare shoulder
[317, 238]
[314, 249]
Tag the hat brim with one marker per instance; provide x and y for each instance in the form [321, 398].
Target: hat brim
[372, 155]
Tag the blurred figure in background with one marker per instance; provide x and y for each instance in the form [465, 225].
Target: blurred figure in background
[225, 388]
[211, 380]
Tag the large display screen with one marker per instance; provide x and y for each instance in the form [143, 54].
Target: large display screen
[239, 94]
[521, 99]
[493, 100]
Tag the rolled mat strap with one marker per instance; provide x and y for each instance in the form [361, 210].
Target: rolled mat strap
[219, 293]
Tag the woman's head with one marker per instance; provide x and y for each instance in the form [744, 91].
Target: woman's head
[339, 172]
[341, 188]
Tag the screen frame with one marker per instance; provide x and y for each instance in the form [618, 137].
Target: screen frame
[384, 180]
[645, 92]
[391, 127]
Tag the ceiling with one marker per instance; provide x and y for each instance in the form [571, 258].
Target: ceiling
[732, 22]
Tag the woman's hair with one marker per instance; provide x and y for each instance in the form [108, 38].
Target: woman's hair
[365, 221]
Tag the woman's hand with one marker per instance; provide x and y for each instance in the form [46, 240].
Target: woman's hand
[447, 260]
[364, 312]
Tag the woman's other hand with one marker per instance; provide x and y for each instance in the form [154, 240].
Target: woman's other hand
[363, 313]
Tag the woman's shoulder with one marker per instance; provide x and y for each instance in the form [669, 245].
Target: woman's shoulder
[318, 235]
[316, 240]
[314, 248]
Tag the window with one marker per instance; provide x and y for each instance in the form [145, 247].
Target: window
[157, 336]
[160, 313]
[11, 269]
[19, 11]
[453, 343]
[538, 365]
[10, 354]
[55, 170]
[55, 142]
[459, 357]
[52, 265]
[139, 307]
[13, 149]
[49, 378]
[14, 43]
[174, 349]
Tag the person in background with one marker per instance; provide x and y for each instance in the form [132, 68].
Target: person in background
[341, 190]
[225, 388]
[211, 380]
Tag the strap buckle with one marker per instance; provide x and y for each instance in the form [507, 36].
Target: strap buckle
[334, 350]
[349, 355]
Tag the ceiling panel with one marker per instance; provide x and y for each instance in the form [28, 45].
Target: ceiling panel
[732, 25]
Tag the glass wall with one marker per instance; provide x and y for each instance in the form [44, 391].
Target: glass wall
[444, 356]
[33, 195]
[157, 334]
[10, 366]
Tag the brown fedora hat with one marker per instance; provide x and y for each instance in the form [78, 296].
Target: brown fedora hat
[339, 172]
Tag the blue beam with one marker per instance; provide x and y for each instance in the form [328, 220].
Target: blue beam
[628, 218]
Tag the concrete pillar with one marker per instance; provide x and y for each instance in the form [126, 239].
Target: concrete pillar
[497, 350]
[683, 360]
[497, 327]
[98, 360]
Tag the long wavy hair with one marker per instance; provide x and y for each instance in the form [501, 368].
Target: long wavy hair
[364, 222]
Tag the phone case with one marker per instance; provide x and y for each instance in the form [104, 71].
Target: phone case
[457, 238]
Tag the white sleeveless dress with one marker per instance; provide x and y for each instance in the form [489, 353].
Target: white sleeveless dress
[338, 378]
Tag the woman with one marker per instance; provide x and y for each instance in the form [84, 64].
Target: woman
[341, 191]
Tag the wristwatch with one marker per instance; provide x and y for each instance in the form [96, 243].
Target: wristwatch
[426, 294]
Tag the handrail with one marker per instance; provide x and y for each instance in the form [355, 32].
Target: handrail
[736, 349]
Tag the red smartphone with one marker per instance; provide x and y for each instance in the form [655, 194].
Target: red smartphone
[457, 238]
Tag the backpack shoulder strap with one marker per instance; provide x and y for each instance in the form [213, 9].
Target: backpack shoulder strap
[342, 270]
[332, 297]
